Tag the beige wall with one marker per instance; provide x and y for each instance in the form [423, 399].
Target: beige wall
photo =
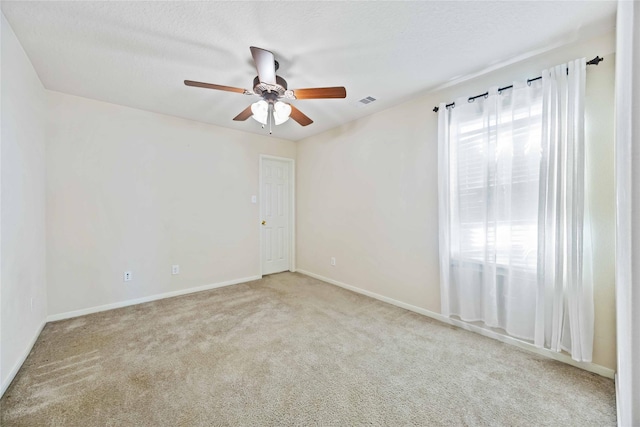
[367, 192]
[133, 190]
[599, 123]
[23, 293]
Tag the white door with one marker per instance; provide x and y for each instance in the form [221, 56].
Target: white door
[275, 213]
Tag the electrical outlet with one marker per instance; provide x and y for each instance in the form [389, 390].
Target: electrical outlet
[175, 269]
[128, 276]
[333, 261]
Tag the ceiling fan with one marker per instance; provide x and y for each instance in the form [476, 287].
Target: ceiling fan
[272, 89]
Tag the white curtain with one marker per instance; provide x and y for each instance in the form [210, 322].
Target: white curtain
[511, 200]
[565, 288]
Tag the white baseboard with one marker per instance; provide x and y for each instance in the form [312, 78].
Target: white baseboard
[20, 361]
[82, 312]
[591, 367]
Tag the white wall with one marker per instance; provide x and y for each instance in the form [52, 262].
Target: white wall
[23, 294]
[628, 208]
[134, 190]
[367, 193]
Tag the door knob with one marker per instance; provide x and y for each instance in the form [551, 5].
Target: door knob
[264, 222]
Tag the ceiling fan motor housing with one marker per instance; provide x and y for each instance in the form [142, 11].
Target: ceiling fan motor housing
[263, 89]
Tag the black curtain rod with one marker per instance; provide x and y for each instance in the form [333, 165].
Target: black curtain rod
[594, 61]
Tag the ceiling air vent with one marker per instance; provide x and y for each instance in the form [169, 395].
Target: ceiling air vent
[367, 100]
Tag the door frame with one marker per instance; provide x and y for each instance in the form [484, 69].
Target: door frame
[292, 208]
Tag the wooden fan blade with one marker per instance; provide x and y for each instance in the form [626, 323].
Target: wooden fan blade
[244, 115]
[217, 87]
[320, 93]
[265, 64]
[300, 117]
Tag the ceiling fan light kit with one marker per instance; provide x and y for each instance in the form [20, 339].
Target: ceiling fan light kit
[281, 111]
[272, 88]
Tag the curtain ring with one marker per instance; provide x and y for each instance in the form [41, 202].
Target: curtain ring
[528, 82]
[486, 95]
[470, 100]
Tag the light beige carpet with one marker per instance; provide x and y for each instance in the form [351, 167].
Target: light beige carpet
[290, 350]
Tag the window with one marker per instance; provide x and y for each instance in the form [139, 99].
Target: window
[514, 227]
[494, 176]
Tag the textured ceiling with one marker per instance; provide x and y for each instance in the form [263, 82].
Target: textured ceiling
[138, 53]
